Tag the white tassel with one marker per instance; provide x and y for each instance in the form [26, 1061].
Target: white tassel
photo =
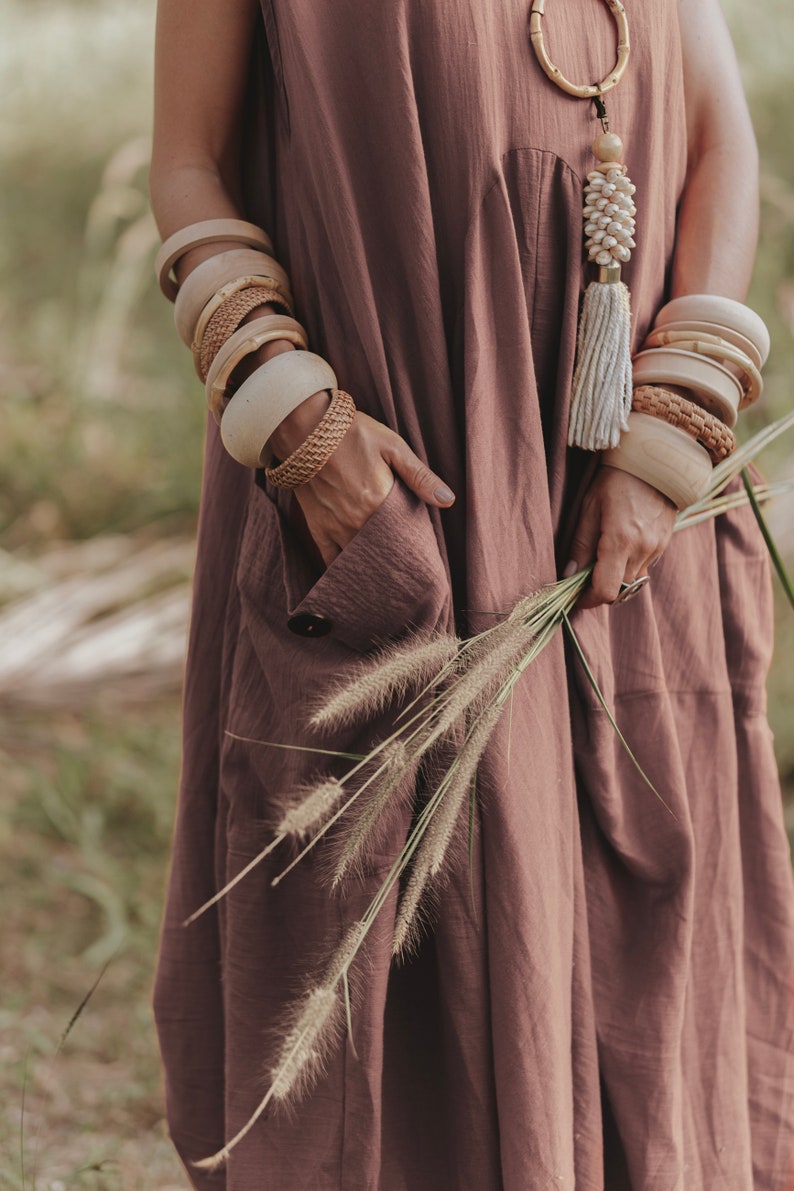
[602, 389]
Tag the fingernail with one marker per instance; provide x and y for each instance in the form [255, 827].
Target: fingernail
[443, 494]
[571, 569]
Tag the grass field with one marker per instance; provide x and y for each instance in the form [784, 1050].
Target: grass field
[102, 434]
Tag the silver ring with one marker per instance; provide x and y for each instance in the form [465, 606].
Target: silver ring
[627, 590]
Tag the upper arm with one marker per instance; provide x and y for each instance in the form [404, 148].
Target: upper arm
[202, 56]
[715, 104]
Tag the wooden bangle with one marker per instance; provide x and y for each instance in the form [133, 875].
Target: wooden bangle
[724, 353]
[265, 399]
[712, 434]
[205, 287]
[665, 457]
[708, 332]
[228, 317]
[196, 235]
[721, 312]
[716, 388]
[315, 451]
[239, 345]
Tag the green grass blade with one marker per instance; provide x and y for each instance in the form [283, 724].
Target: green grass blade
[69, 1027]
[297, 748]
[731, 467]
[774, 553]
[734, 500]
[594, 684]
[22, 1121]
[79, 1010]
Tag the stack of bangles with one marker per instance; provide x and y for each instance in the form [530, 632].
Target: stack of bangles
[210, 309]
[713, 348]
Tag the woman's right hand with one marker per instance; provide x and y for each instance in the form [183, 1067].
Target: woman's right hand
[358, 476]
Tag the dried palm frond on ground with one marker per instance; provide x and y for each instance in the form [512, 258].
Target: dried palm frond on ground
[106, 616]
[456, 692]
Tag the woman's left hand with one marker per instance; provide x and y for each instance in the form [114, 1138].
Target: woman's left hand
[624, 525]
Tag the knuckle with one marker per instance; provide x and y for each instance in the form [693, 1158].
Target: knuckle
[605, 583]
[623, 540]
[605, 593]
[422, 476]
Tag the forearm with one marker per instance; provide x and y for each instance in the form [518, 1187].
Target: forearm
[187, 193]
[718, 218]
[718, 222]
[202, 53]
[184, 193]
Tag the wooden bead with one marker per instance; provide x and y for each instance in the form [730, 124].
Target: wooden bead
[608, 147]
[665, 457]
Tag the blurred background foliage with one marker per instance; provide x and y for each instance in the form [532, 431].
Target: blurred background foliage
[102, 434]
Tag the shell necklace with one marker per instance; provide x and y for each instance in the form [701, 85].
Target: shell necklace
[602, 384]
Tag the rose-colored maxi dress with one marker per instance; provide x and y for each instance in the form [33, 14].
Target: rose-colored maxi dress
[618, 1010]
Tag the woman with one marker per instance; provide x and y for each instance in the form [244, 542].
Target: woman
[612, 1008]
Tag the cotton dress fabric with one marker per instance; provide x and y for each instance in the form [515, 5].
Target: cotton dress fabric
[608, 1002]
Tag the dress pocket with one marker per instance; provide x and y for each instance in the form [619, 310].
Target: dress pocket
[389, 580]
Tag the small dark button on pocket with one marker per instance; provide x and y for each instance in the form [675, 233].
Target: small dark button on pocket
[308, 624]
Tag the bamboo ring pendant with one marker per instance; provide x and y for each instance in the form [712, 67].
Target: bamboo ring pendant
[556, 75]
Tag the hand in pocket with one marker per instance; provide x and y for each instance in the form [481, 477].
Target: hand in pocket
[357, 478]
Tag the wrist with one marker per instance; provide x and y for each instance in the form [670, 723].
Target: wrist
[298, 425]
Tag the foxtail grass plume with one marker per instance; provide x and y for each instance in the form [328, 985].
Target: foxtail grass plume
[303, 1052]
[440, 828]
[501, 649]
[306, 1045]
[312, 810]
[346, 952]
[391, 785]
[401, 669]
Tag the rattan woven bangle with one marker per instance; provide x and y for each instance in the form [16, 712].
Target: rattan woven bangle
[315, 451]
[196, 235]
[241, 344]
[663, 456]
[265, 272]
[704, 427]
[228, 317]
[205, 287]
